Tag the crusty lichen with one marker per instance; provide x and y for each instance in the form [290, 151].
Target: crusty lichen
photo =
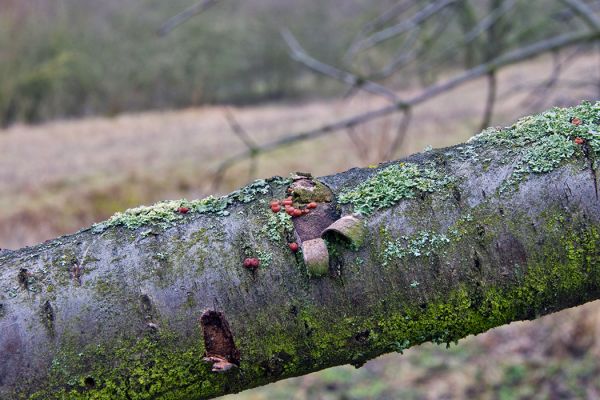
[392, 184]
[423, 243]
[542, 142]
[165, 214]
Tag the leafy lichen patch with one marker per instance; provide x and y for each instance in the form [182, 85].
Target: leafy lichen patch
[165, 214]
[391, 185]
[544, 141]
[279, 226]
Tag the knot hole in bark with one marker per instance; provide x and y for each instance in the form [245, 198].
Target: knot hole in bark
[47, 313]
[218, 341]
[23, 278]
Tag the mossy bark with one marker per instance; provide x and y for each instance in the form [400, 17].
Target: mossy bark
[117, 314]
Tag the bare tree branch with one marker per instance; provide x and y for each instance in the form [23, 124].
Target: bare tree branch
[161, 303]
[584, 12]
[483, 26]
[405, 57]
[406, 25]
[512, 57]
[538, 96]
[393, 12]
[185, 15]
[299, 54]
[489, 20]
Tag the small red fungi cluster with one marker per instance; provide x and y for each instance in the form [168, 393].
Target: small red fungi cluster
[576, 121]
[183, 210]
[288, 207]
[579, 140]
[252, 263]
[293, 246]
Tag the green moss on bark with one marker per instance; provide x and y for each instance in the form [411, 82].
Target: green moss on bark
[565, 272]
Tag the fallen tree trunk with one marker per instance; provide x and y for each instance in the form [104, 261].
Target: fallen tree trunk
[168, 302]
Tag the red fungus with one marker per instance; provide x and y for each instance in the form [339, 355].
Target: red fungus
[287, 202]
[274, 203]
[183, 210]
[276, 208]
[312, 204]
[251, 263]
[576, 121]
[579, 140]
[293, 246]
[296, 212]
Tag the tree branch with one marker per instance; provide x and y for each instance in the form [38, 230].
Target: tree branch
[515, 56]
[185, 15]
[404, 26]
[298, 54]
[195, 299]
[584, 12]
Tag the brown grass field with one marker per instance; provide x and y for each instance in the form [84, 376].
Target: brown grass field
[61, 176]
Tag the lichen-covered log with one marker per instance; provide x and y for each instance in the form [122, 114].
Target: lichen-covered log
[193, 299]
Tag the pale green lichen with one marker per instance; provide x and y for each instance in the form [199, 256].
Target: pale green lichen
[543, 142]
[165, 214]
[278, 226]
[424, 243]
[264, 257]
[392, 184]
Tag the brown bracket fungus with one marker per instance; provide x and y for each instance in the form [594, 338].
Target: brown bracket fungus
[316, 257]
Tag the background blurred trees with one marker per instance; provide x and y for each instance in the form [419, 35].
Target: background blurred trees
[79, 57]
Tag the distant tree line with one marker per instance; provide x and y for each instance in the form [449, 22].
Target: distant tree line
[83, 57]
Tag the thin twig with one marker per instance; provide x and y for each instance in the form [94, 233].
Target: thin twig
[558, 68]
[541, 92]
[488, 111]
[238, 130]
[400, 133]
[404, 26]
[299, 54]
[359, 145]
[406, 58]
[482, 26]
[393, 12]
[241, 133]
[185, 15]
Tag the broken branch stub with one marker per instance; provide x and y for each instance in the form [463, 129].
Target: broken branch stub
[316, 257]
[350, 227]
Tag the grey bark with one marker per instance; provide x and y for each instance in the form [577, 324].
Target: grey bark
[133, 313]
